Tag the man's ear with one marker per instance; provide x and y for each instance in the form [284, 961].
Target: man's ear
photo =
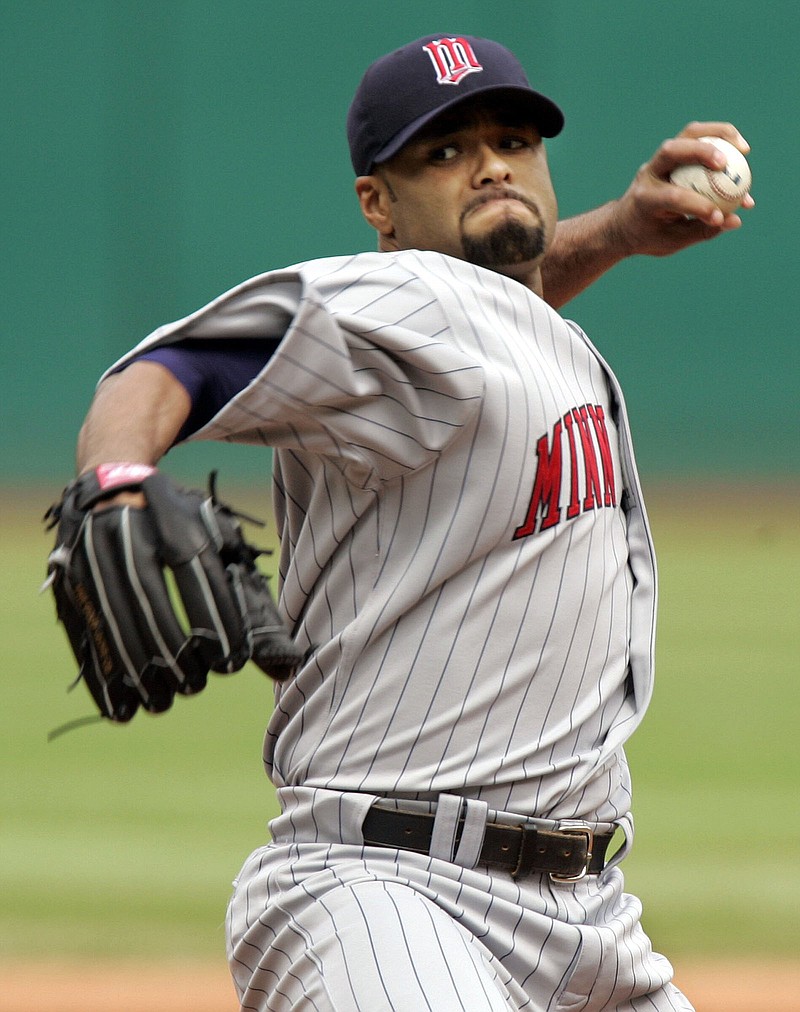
[375, 198]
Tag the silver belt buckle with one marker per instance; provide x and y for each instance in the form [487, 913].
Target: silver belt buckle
[574, 827]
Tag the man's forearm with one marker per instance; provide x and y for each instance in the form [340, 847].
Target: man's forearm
[583, 249]
[135, 416]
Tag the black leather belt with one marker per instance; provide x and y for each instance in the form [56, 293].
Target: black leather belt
[567, 854]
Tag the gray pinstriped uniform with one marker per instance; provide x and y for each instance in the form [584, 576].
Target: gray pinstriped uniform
[466, 556]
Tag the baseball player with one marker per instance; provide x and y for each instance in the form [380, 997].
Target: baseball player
[466, 569]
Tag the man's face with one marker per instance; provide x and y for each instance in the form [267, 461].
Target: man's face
[475, 185]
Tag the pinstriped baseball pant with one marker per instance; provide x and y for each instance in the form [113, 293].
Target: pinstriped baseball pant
[339, 926]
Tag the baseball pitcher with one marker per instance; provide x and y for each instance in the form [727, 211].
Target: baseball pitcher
[463, 637]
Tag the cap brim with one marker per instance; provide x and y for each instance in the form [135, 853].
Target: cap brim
[545, 116]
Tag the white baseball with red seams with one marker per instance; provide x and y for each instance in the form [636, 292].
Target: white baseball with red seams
[726, 187]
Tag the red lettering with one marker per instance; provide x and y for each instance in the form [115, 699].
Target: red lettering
[593, 497]
[546, 488]
[594, 446]
[574, 507]
[609, 485]
[452, 59]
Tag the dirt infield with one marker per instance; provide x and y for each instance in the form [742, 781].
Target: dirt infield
[59, 987]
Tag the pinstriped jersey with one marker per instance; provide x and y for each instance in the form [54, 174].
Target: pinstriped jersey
[464, 550]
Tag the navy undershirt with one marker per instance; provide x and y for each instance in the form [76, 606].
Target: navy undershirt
[213, 371]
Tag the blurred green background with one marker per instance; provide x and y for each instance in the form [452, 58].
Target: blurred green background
[154, 154]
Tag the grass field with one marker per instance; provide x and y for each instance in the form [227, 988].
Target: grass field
[122, 841]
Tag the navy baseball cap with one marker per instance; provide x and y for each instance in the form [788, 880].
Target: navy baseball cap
[403, 91]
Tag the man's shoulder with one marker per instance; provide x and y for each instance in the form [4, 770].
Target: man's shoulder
[386, 285]
[358, 265]
[425, 266]
[365, 278]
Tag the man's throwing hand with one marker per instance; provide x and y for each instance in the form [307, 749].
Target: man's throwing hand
[656, 217]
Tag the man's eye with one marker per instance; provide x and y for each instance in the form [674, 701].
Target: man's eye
[514, 143]
[445, 153]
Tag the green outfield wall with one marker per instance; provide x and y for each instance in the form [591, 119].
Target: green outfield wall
[155, 154]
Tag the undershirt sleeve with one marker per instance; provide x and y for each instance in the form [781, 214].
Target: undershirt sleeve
[212, 371]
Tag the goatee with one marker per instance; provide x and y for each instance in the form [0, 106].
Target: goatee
[511, 242]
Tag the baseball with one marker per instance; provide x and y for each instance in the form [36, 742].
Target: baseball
[726, 187]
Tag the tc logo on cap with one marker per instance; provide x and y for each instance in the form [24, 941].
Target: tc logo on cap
[452, 59]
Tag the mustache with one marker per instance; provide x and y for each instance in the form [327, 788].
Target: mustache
[505, 193]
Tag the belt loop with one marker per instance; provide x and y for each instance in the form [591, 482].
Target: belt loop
[625, 823]
[472, 835]
[445, 826]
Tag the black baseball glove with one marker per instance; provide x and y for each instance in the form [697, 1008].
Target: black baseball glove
[138, 642]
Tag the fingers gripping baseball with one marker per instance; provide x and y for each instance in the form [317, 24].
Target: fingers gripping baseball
[657, 217]
[138, 643]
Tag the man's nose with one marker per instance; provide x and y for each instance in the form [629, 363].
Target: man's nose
[492, 167]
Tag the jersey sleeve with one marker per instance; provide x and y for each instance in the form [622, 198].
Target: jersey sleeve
[212, 372]
[366, 372]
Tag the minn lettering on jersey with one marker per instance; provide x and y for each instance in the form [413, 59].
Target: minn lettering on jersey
[574, 471]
